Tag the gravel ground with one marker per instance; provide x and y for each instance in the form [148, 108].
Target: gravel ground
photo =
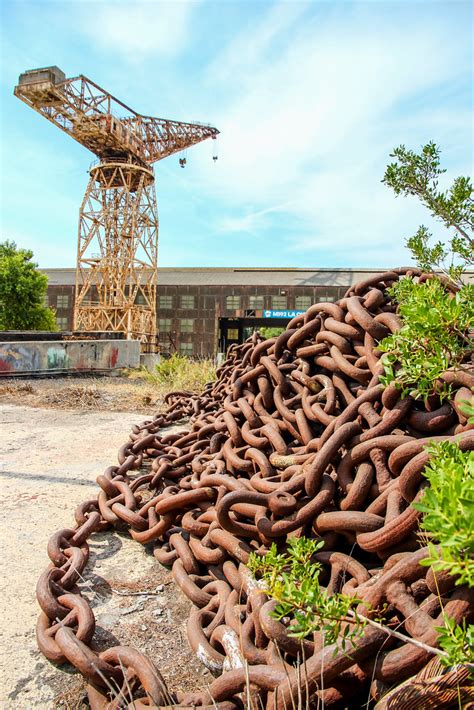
[48, 463]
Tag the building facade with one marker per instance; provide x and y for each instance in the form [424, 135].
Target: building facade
[202, 311]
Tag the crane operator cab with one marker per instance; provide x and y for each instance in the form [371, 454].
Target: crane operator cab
[53, 75]
[38, 84]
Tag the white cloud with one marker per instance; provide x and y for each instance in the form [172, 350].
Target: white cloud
[138, 29]
[245, 52]
[314, 118]
[251, 221]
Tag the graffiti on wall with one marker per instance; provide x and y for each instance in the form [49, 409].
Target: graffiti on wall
[24, 357]
[114, 356]
[57, 358]
[19, 358]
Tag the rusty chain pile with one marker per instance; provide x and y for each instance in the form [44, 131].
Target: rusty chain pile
[296, 437]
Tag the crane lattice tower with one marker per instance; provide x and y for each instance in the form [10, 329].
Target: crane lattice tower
[117, 247]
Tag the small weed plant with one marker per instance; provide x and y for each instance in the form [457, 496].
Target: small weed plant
[292, 579]
[269, 332]
[181, 373]
[457, 640]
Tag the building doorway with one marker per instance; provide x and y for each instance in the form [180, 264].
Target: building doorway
[237, 330]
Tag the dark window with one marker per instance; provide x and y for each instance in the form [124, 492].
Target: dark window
[279, 303]
[302, 302]
[187, 302]
[186, 325]
[164, 325]
[62, 301]
[232, 302]
[256, 302]
[165, 302]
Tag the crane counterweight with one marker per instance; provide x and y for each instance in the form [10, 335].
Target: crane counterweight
[118, 222]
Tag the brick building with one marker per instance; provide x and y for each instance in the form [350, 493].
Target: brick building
[204, 310]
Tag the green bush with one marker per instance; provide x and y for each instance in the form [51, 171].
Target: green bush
[22, 292]
[418, 174]
[448, 508]
[448, 523]
[434, 336]
[270, 332]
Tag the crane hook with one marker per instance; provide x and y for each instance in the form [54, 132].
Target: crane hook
[182, 162]
[215, 149]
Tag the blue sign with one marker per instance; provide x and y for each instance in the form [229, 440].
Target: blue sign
[282, 314]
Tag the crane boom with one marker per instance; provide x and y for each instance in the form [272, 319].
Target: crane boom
[117, 248]
[103, 124]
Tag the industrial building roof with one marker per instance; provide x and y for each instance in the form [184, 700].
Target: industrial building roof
[238, 276]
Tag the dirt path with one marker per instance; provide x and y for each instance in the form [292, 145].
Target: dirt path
[48, 463]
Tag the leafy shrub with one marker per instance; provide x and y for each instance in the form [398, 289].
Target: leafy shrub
[434, 336]
[448, 508]
[418, 174]
[457, 640]
[448, 522]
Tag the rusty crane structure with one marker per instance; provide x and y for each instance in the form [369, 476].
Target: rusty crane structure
[117, 247]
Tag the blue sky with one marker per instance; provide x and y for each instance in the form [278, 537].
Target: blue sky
[310, 98]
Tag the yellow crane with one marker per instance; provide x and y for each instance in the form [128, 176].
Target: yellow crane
[117, 247]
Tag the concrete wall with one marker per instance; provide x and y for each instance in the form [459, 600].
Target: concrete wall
[20, 358]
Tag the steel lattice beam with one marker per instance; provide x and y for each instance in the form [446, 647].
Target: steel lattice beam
[118, 225]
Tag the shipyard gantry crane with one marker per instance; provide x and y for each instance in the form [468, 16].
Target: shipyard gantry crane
[117, 246]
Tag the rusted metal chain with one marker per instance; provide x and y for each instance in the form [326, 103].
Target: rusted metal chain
[296, 436]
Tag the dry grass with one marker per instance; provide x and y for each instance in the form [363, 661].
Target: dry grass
[181, 373]
[17, 388]
[85, 393]
[79, 397]
[138, 390]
